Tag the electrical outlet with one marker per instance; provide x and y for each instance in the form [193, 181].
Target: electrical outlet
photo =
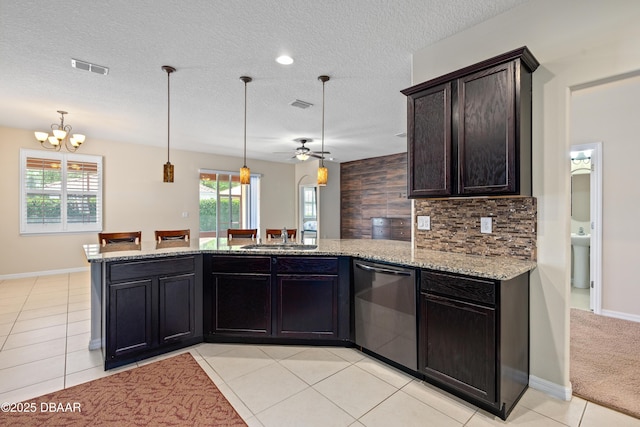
[485, 225]
[424, 222]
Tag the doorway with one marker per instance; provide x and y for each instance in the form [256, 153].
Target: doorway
[586, 229]
[308, 214]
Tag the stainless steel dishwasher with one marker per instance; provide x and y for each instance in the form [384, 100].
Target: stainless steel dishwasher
[385, 311]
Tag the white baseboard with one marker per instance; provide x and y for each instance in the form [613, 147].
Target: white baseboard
[619, 315]
[43, 273]
[95, 344]
[552, 389]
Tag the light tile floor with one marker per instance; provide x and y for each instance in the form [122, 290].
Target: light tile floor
[44, 335]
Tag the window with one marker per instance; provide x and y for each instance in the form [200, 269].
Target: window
[60, 192]
[225, 203]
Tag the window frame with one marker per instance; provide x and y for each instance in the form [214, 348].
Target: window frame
[64, 226]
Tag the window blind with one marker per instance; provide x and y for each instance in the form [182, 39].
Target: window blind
[60, 192]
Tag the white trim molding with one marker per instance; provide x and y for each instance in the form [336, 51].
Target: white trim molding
[43, 273]
[620, 315]
[552, 389]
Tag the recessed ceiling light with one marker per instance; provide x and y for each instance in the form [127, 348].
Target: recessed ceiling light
[284, 60]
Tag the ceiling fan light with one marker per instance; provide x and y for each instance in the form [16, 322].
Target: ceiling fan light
[302, 156]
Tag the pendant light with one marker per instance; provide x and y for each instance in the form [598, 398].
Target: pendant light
[168, 167]
[323, 173]
[245, 172]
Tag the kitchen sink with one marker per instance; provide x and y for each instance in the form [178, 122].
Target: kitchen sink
[279, 247]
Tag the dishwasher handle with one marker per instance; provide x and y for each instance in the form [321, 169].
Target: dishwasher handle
[382, 270]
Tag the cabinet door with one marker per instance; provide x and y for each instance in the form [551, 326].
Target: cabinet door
[487, 132]
[130, 318]
[241, 304]
[308, 306]
[457, 345]
[177, 313]
[429, 142]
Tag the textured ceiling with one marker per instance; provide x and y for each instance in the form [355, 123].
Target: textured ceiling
[365, 46]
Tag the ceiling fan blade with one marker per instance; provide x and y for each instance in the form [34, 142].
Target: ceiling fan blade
[321, 152]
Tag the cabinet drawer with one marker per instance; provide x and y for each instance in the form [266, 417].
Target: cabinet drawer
[241, 264]
[138, 269]
[383, 222]
[380, 232]
[307, 265]
[401, 222]
[401, 233]
[466, 288]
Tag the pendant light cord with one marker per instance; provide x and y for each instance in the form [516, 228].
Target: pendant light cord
[322, 149]
[168, 110]
[323, 79]
[244, 164]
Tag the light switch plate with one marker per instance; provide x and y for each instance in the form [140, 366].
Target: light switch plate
[424, 222]
[485, 225]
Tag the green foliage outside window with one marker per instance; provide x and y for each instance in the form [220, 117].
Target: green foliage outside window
[208, 211]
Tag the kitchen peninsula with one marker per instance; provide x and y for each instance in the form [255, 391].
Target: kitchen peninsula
[153, 298]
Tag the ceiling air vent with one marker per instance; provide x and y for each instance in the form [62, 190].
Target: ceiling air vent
[87, 66]
[301, 104]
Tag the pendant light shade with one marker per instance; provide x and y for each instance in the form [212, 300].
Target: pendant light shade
[323, 176]
[323, 173]
[168, 167]
[245, 172]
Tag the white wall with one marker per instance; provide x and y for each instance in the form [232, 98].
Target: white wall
[608, 112]
[576, 42]
[135, 198]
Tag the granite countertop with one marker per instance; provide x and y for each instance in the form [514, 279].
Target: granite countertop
[391, 251]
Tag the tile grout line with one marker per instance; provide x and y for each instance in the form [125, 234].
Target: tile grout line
[66, 338]
[19, 312]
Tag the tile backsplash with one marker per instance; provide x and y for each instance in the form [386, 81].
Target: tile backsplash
[455, 226]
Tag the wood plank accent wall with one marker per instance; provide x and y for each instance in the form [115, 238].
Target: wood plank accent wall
[375, 187]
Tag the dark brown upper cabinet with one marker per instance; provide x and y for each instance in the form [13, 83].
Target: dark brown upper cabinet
[469, 131]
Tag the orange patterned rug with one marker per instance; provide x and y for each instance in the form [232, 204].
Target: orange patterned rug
[171, 392]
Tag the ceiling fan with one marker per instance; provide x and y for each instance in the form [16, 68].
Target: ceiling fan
[303, 152]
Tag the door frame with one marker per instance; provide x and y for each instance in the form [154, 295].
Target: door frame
[595, 249]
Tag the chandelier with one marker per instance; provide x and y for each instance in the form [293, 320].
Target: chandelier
[61, 136]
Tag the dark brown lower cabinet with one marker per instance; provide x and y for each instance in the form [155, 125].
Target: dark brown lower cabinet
[238, 296]
[242, 304]
[271, 298]
[308, 306]
[130, 320]
[474, 337]
[460, 345]
[152, 307]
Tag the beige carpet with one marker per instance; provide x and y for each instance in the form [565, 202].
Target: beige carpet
[605, 361]
[171, 392]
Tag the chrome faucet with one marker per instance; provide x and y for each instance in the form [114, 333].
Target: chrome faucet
[284, 235]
